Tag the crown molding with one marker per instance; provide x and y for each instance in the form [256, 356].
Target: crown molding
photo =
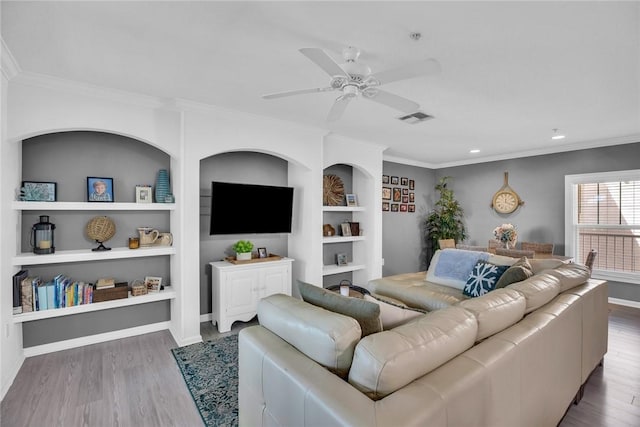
[8, 63]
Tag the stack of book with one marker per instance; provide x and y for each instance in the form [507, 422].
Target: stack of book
[35, 294]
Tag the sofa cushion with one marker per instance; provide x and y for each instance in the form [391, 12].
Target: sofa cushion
[366, 313]
[496, 310]
[570, 275]
[538, 265]
[389, 360]
[483, 278]
[538, 290]
[326, 337]
[518, 272]
[393, 312]
[451, 267]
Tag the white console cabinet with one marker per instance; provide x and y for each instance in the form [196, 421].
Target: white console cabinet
[237, 288]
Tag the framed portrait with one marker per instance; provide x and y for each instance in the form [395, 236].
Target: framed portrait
[385, 207]
[345, 227]
[35, 191]
[352, 200]
[262, 252]
[386, 193]
[403, 207]
[153, 283]
[404, 181]
[412, 184]
[412, 208]
[385, 179]
[412, 197]
[355, 228]
[341, 259]
[405, 191]
[405, 199]
[143, 194]
[395, 180]
[397, 194]
[394, 207]
[99, 189]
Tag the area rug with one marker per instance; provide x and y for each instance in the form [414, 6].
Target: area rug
[210, 370]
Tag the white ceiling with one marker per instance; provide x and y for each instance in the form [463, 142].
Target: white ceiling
[511, 71]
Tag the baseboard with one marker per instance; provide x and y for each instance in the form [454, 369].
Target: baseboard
[95, 339]
[206, 317]
[7, 382]
[624, 302]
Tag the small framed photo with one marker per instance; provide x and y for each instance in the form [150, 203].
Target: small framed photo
[397, 194]
[352, 200]
[34, 191]
[412, 208]
[143, 194]
[395, 180]
[153, 283]
[412, 197]
[385, 179]
[394, 207]
[99, 189]
[403, 208]
[405, 191]
[386, 193]
[405, 199]
[262, 252]
[385, 207]
[404, 181]
[355, 228]
[412, 184]
[346, 229]
[341, 259]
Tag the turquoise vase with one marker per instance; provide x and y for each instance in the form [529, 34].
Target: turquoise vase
[162, 186]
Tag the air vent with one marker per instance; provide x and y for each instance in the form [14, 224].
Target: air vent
[414, 118]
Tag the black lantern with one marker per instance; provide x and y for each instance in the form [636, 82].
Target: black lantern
[42, 236]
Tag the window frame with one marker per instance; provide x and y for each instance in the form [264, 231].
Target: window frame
[571, 216]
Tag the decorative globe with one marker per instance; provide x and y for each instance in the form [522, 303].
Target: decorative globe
[101, 229]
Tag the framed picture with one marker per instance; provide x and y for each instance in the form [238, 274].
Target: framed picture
[352, 200]
[153, 283]
[355, 228]
[394, 207]
[99, 189]
[404, 181]
[405, 191]
[143, 194]
[35, 191]
[386, 193]
[397, 194]
[412, 208]
[341, 259]
[385, 179]
[412, 184]
[346, 229]
[412, 197]
[405, 199]
[385, 207]
[395, 180]
[262, 252]
[403, 207]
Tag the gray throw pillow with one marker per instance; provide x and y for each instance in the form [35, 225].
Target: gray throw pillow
[366, 313]
[518, 272]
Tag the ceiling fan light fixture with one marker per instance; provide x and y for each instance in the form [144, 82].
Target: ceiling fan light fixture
[416, 117]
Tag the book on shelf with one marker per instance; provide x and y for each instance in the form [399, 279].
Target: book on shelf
[105, 283]
[17, 290]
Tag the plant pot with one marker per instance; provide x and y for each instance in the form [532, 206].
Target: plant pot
[243, 256]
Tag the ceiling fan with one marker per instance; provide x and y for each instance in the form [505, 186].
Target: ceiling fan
[354, 78]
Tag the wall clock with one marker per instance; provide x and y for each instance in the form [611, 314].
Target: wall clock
[505, 200]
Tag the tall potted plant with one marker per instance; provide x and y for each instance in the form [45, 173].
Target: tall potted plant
[445, 221]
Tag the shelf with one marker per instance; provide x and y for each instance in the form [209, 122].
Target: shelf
[86, 206]
[96, 306]
[343, 208]
[341, 239]
[328, 270]
[83, 255]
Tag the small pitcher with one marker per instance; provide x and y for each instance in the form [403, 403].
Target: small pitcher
[148, 236]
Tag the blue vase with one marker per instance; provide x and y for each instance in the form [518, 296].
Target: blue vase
[162, 186]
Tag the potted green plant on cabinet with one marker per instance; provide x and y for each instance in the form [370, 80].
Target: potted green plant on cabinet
[445, 221]
[243, 249]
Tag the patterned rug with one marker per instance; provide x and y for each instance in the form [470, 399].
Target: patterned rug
[210, 370]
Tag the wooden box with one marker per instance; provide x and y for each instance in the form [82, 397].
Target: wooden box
[121, 290]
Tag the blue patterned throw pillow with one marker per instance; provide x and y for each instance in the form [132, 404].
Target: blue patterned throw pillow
[483, 278]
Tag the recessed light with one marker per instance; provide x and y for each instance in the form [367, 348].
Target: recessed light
[475, 150]
[556, 135]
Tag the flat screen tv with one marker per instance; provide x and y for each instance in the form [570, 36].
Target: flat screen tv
[250, 208]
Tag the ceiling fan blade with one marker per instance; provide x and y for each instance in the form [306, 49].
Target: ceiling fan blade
[422, 68]
[338, 108]
[296, 92]
[391, 100]
[323, 61]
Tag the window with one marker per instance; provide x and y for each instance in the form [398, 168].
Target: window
[602, 212]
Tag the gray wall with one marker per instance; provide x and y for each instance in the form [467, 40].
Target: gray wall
[539, 180]
[68, 158]
[244, 168]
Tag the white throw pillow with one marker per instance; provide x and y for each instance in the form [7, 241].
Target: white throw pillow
[393, 312]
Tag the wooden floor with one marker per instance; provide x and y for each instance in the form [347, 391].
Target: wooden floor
[136, 382]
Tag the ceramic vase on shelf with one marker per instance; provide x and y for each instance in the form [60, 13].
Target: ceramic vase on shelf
[162, 186]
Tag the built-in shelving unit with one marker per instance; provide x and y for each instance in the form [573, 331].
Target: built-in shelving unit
[86, 255]
[87, 206]
[341, 239]
[328, 270]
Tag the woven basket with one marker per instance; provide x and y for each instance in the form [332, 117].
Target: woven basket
[101, 228]
[138, 288]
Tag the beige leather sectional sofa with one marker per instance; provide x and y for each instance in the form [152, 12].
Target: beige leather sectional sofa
[516, 356]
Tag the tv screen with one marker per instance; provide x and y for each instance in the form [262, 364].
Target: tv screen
[249, 208]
